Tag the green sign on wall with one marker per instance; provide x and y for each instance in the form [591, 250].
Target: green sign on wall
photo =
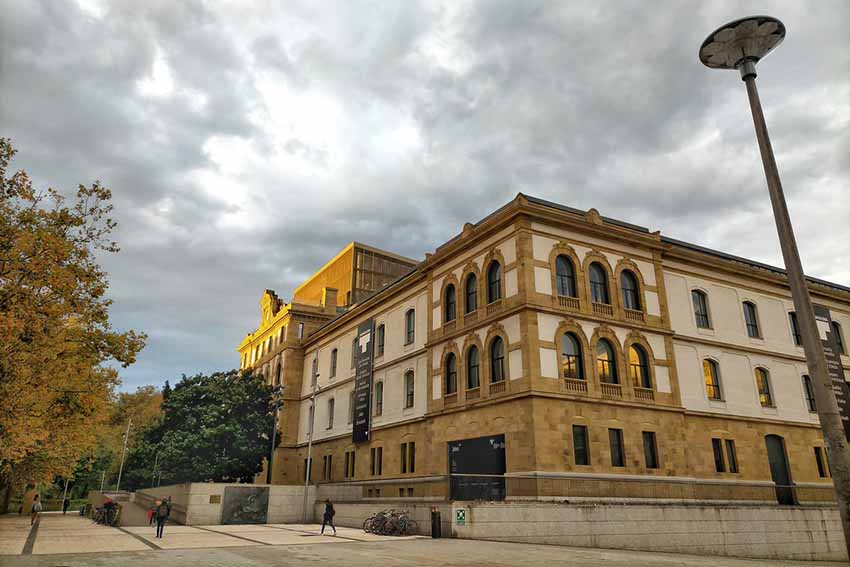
[460, 516]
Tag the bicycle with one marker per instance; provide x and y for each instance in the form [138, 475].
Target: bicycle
[390, 522]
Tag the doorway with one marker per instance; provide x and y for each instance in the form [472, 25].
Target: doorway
[780, 471]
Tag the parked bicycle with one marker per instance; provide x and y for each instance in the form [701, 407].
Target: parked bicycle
[106, 515]
[391, 522]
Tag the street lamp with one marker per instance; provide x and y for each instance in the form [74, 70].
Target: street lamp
[740, 45]
[278, 392]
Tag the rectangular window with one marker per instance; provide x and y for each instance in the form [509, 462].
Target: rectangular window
[701, 309]
[401, 493]
[347, 462]
[408, 457]
[751, 319]
[300, 330]
[809, 391]
[308, 472]
[731, 456]
[379, 340]
[618, 455]
[376, 454]
[580, 445]
[820, 462]
[403, 458]
[409, 389]
[379, 398]
[410, 327]
[333, 363]
[351, 407]
[410, 492]
[650, 450]
[327, 467]
[719, 463]
[331, 413]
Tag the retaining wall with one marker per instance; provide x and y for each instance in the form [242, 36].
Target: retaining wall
[774, 532]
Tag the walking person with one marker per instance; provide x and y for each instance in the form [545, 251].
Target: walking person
[150, 515]
[35, 511]
[65, 505]
[328, 517]
[162, 513]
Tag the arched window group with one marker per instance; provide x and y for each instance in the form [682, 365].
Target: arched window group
[607, 365]
[472, 367]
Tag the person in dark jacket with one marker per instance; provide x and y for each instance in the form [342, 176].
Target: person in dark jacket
[328, 517]
[66, 503]
[162, 512]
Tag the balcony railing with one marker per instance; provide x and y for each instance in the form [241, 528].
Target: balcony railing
[575, 386]
[603, 309]
[569, 302]
[645, 394]
[494, 307]
[636, 316]
[611, 390]
[497, 387]
[450, 399]
[473, 394]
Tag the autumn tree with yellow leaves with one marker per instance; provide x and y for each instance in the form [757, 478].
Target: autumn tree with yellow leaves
[55, 335]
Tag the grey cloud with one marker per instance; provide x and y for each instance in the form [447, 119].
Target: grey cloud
[599, 104]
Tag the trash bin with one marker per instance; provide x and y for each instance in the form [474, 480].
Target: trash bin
[436, 525]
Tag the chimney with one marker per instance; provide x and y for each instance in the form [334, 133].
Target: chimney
[329, 299]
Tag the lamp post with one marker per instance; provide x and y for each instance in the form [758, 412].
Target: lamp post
[278, 391]
[740, 45]
[309, 468]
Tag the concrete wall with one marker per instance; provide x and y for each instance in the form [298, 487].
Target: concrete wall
[353, 514]
[739, 531]
[200, 503]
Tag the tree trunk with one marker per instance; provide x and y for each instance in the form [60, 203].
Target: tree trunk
[6, 487]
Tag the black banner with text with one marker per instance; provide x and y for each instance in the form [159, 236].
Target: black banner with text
[363, 383]
[833, 365]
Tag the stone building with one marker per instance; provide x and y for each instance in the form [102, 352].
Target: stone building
[550, 353]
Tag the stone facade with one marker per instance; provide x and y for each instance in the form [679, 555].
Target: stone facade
[499, 290]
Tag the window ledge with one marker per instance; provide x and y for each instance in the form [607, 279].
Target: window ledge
[717, 404]
[769, 410]
[709, 332]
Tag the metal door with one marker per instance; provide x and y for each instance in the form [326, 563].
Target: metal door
[779, 469]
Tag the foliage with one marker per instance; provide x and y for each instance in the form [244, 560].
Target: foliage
[213, 428]
[55, 335]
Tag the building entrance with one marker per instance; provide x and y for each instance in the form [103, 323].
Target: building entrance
[779, 469]
[477, 468]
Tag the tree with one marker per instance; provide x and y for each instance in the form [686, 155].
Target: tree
[166, 391]
[213, 428]
[55, 334]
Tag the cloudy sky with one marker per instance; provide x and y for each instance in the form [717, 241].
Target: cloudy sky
[246, 143]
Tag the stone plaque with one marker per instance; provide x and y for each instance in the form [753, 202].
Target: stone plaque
[245, 505]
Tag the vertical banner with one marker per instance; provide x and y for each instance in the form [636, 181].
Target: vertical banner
[833, 365]
[363, 383]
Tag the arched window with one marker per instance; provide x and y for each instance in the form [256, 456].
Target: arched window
[471, 293]
[606, 365]
[631, 291]
[763, 387]
[752, 320]
[277, 376]
[565, 277]
[836, 334]
[809, 392]
[451, 303]
[410, 326]
[494, 282]
[711, 374]
[700, 300]
[639, 367]
[451, 374]
[409, 389]
[473, 368]
[598, 284]
[571, 359]
[333, 363]
[331, 404]
[795, 329]
[380, 337]
[497, 360]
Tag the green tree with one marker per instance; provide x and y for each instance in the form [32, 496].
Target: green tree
[56, 340]
[213, 428]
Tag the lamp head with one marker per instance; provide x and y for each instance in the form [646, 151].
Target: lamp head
[742, 43]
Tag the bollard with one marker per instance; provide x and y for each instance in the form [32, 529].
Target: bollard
[436, 525]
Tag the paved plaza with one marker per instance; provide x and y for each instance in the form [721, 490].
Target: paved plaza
[73, 540]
